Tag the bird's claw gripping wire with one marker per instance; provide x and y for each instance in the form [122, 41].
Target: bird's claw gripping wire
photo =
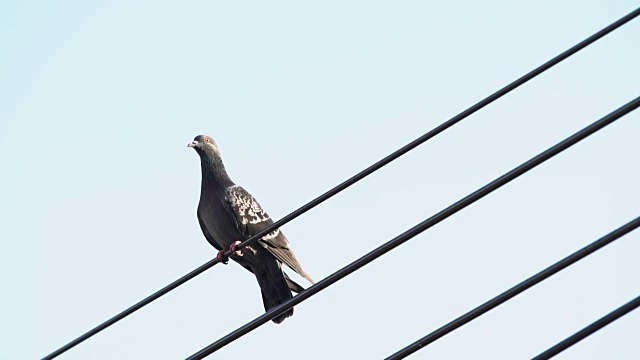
[233, 249]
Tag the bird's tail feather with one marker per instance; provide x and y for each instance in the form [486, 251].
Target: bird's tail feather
[274, 287]
[286, 256]
[293, 286]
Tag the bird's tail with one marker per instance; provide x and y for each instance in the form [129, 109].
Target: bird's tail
[274, 288]
[293, 286]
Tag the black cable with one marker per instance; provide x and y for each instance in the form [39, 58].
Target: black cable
[388, 246]
[521, 287]
[488, 100]
[580, 335]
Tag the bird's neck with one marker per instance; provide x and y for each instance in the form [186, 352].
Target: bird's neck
[214, 172]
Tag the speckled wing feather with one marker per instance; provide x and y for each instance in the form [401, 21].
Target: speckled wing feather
[250, 219]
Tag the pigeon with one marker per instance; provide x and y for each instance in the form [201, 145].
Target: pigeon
[228, 214]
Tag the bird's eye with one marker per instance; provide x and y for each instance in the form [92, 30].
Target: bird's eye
[206, 140]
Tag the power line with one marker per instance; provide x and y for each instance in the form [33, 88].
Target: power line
[364, 173]
[521, 287]
[442, 215]
[580, 335]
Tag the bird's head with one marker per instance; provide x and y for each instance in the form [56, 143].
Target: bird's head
[205, 145]
[210, 160]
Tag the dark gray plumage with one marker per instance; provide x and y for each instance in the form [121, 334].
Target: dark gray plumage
[227, 213]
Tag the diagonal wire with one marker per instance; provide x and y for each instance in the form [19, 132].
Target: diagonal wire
[364, 173]
[599, 324]
[514, 291]
[435, 219]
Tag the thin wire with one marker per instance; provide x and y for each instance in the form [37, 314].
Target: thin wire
[366, 172]
[521, 287]
[580, 335]
[388, 246]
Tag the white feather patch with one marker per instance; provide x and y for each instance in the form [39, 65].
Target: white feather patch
[248, 209]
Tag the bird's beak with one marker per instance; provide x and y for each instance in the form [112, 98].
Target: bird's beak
[192, 144]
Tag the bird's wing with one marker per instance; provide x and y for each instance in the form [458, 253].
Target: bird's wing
[250, 219]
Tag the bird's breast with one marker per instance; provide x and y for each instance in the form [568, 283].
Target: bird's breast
[218, 224]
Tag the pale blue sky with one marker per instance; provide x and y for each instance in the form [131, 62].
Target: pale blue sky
[98, 192]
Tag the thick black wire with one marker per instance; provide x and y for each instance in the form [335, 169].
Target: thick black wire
[580, 335]
[366, 172]
[521, 287]
[388, 246]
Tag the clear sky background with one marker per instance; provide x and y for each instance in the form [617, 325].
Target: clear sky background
[98, 192]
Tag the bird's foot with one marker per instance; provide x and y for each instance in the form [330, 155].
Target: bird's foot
[233, 249]
[222, 257]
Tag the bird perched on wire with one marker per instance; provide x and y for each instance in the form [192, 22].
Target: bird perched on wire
[228, 215]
